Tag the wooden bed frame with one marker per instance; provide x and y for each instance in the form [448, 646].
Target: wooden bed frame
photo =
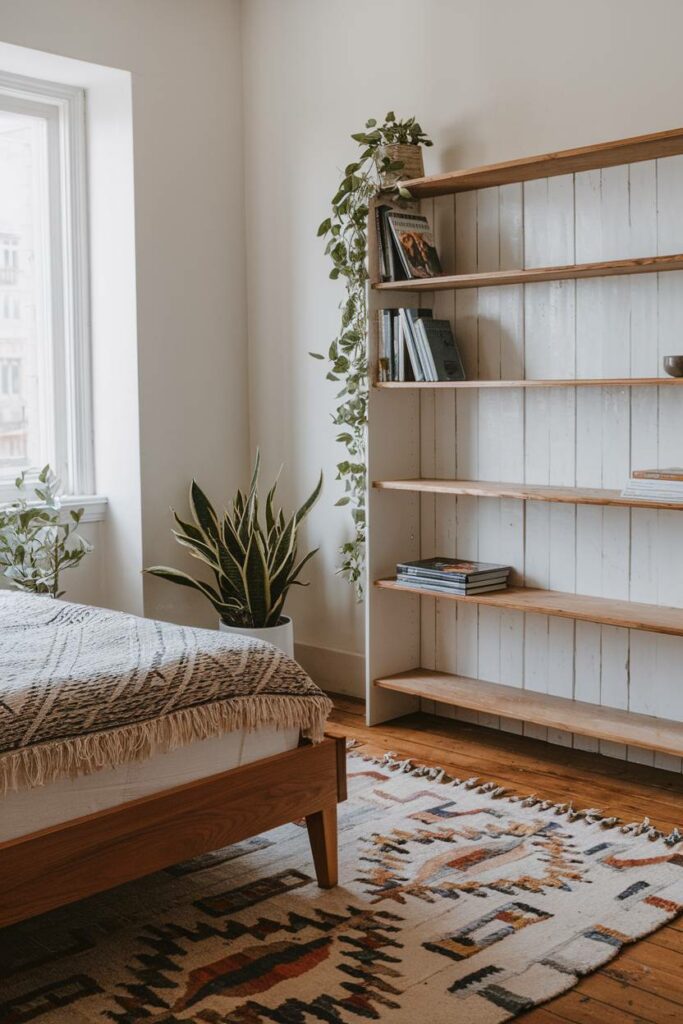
[68, 862]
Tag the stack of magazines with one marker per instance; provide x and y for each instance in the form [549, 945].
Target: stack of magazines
[453, 576]
[656, 485]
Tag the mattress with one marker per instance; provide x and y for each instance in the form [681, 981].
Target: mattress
[29, 810]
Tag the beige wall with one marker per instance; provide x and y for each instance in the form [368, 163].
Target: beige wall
[489, 80]
[186, 90]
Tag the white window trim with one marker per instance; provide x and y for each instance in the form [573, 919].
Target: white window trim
[70, 293]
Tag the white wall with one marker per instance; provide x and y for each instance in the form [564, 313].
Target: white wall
[184, 60]
[490, 80]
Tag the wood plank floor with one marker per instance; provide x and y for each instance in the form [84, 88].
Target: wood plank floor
[645, 982]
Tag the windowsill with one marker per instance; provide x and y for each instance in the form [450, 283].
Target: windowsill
[95, 505]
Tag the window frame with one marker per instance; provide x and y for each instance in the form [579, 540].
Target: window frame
[64, 109]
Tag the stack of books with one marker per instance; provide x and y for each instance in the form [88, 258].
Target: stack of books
[415, 346]
[656, 485]
[453, 576]
[405, 245]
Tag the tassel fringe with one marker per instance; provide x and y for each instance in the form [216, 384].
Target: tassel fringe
[591, 815]
[80, 755]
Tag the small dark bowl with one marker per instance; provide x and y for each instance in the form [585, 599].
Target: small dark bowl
[674, 365]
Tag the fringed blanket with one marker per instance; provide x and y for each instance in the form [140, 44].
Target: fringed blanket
[82, 688]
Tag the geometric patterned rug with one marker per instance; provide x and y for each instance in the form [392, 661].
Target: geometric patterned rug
[456, 903]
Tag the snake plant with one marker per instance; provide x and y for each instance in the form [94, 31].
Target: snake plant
[253, 562]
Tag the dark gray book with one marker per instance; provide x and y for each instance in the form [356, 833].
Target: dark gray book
[392, 258]
[445, 362]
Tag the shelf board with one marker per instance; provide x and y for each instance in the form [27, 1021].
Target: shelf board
[652, 618]
[525, 492]
[532, 275]
[635, 730]
[548, 165]
[570, 382]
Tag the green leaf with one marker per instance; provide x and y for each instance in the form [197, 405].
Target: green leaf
[203, 512]
[257, 582]
[310, 501]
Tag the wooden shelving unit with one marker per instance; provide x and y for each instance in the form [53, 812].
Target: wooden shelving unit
[524, 492]
[548, 165]
[653, 618]
[571, 382]
[396, 637]
[532, 275]
[633, 729]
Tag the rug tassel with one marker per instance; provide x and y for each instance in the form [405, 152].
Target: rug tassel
[591, 815]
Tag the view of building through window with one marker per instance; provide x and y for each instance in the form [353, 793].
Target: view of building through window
[26, 404]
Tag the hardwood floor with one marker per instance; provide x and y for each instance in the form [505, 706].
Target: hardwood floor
[645, 982]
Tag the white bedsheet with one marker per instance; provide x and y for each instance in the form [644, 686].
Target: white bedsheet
[28, 810]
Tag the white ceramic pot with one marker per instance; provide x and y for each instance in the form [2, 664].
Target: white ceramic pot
[281, 636]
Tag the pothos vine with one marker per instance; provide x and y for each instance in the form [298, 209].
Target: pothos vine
[347, 244]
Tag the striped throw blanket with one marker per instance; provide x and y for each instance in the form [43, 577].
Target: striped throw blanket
[82, 688]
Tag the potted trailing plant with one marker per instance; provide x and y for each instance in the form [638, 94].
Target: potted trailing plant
[254, 561]
[399, 148]
[388, 154]
[36, 544]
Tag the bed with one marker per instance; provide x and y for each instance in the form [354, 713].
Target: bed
[128, 745]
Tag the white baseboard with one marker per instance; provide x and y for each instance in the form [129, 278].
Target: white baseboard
[333, 671]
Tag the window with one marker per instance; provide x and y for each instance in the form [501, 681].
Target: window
[10, 370]
[45, 393]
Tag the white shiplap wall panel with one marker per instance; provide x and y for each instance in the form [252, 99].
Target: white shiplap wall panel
[579, 437]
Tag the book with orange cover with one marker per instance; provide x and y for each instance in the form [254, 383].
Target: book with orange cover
[672, 473]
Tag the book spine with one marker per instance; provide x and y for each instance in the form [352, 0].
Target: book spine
[381, 248]
[402, 258]
[399, 349]
[430, 365]
[415, 362]
[651, 474]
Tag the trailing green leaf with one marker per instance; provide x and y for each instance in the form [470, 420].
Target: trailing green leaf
[345, 232]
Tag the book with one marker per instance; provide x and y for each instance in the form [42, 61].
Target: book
[455, 569]
[436, 336]
[414, 241]
[675, 473]
[386, 344]
[437, 588]
[395, 269]
[661, 491]
[400, 368]
[411, 344]
[493, 577]
[382, 259]
[412, 315]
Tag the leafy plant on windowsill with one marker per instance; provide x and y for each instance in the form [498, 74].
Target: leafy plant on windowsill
[347, 244]
[36, 545]
[254, 563]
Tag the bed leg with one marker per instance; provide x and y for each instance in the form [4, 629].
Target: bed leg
[322, 835]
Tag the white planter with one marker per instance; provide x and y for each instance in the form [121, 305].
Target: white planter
[281, 636]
